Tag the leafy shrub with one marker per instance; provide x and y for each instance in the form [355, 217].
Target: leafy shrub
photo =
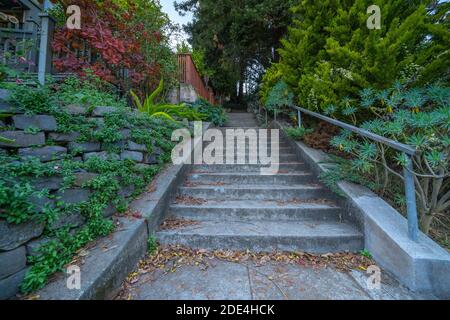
[214, 114]
[332, 55]
[165, 110]
[33, 100]
[419, 117]
[270, 79]
[279, 96]
[89, 90]
[6, 72]
[297, 133]
[117, 35]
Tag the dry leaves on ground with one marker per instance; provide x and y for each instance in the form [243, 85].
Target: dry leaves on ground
[133, 214]
[304, 201]
[196, 184]
[183, 255]
[189, 200]
[170, 258]
[177, 223]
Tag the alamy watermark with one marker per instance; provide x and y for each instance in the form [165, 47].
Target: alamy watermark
[74, 19]
[74, 278]
[374, 280]
[374, 21]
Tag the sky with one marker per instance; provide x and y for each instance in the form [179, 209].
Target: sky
[173, 14]
[168, 7]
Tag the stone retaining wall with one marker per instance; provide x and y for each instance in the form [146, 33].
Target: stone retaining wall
[37, 136]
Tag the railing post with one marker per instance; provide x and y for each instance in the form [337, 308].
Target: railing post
[299, 117]
[45, 53]
[411, 206]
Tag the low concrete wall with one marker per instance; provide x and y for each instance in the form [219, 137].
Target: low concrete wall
[105, 266]
[182, 93]
[422, 266]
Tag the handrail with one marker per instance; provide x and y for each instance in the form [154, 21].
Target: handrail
[392, 143]
[409, 151]
[18, 31]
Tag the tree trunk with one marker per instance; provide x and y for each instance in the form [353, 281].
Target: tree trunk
[241, 83]
[241, 90]
[425, 223]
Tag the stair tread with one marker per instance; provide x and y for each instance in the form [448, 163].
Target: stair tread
[255, 187]
[254, 204]
[300, 229]
[240, 208]
[231, 174]
[296, 163]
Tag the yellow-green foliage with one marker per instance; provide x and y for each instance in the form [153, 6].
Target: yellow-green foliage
[270, 79]
[329, 53]
[165, 110]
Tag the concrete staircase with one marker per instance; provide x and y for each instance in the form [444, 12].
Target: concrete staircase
[235, 207]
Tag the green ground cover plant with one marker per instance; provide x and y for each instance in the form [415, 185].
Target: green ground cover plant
[297, 133]
[20, 201]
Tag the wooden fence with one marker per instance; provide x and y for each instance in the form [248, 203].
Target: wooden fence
[189, 74]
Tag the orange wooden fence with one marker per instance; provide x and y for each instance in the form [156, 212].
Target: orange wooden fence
[188, 74]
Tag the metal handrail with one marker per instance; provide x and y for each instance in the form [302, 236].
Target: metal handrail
[409, 151]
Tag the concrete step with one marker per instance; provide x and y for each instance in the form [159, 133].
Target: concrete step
[244, 159]
[247, 128]
[267, 236]
[251, 178]
[256, 192]
[283, 167]
[282, 153]
[281, 144]
[244, 122]
[248, 149]
[249, 210]
[253, 149]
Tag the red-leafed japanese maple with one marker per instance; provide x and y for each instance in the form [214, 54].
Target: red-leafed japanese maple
[108, 43]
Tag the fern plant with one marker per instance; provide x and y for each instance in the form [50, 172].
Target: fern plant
[165, 110]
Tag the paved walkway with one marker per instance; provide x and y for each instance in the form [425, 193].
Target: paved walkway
[247, 281]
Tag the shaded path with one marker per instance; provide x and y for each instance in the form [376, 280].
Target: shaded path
[233, 207]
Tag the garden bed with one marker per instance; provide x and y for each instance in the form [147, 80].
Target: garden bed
[321, 137]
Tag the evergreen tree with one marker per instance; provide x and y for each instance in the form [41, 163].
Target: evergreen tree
[330, 53]
[238, 37]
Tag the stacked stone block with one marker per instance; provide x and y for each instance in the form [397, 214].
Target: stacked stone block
[38, 136]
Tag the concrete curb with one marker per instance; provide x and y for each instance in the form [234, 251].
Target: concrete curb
[422, 266]
[105, 266]
[111, 260]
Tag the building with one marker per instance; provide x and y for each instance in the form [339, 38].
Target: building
[25, 35]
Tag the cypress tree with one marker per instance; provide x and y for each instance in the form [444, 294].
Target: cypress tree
[330, 53]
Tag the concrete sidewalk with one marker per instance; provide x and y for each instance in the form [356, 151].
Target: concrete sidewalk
[224, 280]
